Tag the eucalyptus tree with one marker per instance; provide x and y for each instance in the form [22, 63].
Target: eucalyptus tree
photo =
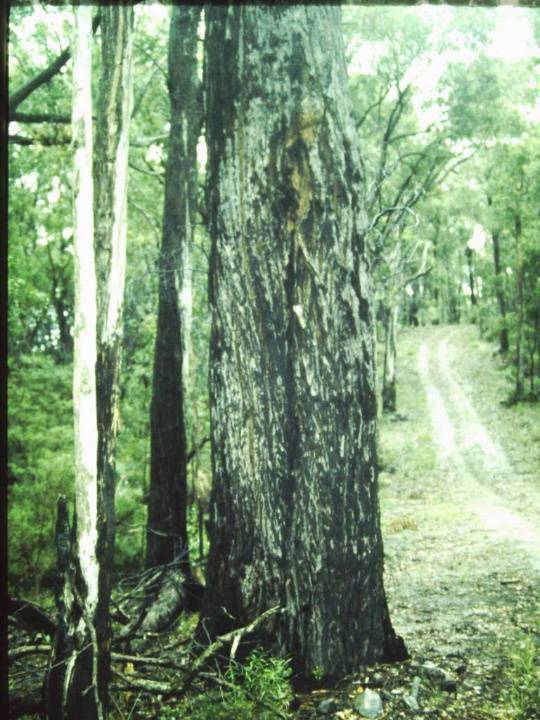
[79, 674]
[405, 157]
[77, 652]
[295, 515]
[167, 539]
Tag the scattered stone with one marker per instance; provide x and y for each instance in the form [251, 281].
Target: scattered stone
[368, 704]
[328, 706]
[445, 680]
[412, 700]
[448, 683]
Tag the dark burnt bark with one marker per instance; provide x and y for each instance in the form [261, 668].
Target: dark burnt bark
[167, 540]
[499, 291]
[295, 514]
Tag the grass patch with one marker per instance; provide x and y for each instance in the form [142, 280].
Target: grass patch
[398, 524]
[521, 692]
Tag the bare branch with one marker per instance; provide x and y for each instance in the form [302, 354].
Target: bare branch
[44, 141]
[44, 76]
[38, 118]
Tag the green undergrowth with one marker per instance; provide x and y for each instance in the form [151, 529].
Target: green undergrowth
[519, 698]
[257, 689]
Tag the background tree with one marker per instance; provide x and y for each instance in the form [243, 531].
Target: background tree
[295, 517]
[167, 539]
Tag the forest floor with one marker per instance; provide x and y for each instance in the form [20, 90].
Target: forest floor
[460, 504]
[460, 507]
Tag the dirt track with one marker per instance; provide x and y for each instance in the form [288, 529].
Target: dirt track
[483, 479]
[460, 515]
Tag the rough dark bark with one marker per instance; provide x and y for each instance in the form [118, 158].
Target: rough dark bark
[167, 540]
[499, 291]
[389, 363]
[295, 514]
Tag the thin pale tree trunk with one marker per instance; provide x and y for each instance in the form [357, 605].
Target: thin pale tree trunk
[295, 514]
[76, 684]
[110, 217]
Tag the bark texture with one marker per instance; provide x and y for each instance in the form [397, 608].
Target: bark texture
[167, 530]
[295, 514]
[110, 217]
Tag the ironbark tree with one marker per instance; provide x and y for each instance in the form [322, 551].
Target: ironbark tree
[295, 513]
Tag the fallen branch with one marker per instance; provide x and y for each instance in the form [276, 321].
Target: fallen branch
[142, 660]
[232, 637]
[25, 650]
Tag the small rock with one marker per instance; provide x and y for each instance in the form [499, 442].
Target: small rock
[327, 706]
[368, 704]
[448, 683]
[444, 679]
[412, 700]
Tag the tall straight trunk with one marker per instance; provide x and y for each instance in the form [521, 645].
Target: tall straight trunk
[389, 363]
[76, 683]
[499, 291]
[110, 217]
[469, 255]
[519, 384]
[167, 539]
[295, 512]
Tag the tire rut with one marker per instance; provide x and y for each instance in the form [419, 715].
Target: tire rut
[482, 478]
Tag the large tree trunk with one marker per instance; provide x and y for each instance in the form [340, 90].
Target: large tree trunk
[167, 540]
[499, 291]
[389, 363]
[295, 513]
[77, 683]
